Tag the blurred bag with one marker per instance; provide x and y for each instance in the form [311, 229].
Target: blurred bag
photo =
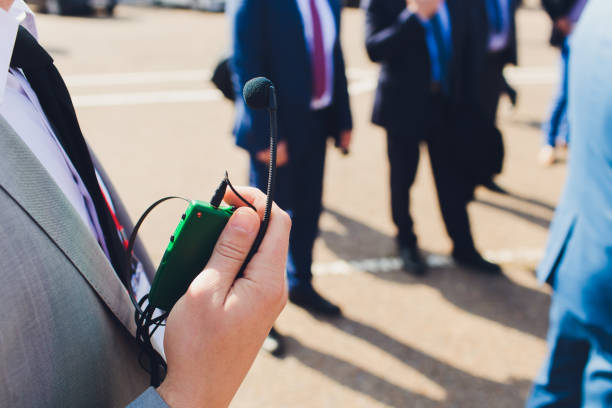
[475, 144]
[222, 78]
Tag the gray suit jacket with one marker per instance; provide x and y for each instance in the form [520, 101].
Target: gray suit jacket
[66, 325]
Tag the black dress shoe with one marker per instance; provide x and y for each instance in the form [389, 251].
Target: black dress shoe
[473, 260]
[493, 186]
[412, 260]
[274, 343]
[305, 296]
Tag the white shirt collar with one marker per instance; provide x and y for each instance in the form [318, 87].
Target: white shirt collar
[19, 13]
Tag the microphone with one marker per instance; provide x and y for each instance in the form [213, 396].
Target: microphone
[259, 93]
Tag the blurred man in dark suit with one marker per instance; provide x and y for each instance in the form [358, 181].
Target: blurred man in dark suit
[296, 44]
[498, 17]
[497, 21]
[427, 53]
[577, 370]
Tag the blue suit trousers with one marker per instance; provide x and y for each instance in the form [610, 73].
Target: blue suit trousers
[557, 127]
[299, 190]
[577, 371]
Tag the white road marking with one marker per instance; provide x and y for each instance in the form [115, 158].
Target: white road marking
[146, 98]
[361, 81]
[362, 86]
[353, 73]
[391, 264]
[157, 77]
[178, 96]
[532, 75]
[134, 78]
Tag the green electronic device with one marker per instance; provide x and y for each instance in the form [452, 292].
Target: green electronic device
[194, 240]
[188, 252]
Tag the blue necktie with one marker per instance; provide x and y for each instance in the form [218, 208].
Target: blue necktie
[443, 51]
[495, 16]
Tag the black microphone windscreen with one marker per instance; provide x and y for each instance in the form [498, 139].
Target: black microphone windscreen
[256, 93]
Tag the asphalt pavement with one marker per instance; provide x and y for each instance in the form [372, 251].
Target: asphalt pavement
[454, 338]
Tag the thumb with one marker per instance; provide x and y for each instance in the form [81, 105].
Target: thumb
[231, 249]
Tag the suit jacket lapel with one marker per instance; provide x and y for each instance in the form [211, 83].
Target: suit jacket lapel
[335, 8]
[24, 178]
[293, 9]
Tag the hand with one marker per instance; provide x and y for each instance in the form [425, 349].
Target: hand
[425, 9]
[344, 142]
[564, 25]
[282, 154]
[216, 329]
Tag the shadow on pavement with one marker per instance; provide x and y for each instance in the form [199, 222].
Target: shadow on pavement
[535, 124]
[356, 378]
[534, 219]
[357, 238]
[57, 51]
[462, 389]
[531, 201]
[495, 298]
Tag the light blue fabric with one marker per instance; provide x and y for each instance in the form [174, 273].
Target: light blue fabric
[577, 371]
[148, 399]
[580, 243]
[578, 261]
[439, 44]
[557, 128]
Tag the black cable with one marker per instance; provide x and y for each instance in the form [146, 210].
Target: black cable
[229, 183]
[157, 366]
[217, 198]
[144, 318]
[132, 241]
[271, 185]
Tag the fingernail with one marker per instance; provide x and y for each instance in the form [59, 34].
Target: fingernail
[242, 221]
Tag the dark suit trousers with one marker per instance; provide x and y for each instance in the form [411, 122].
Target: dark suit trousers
[454, 193]
[403, 153]
[299, 189]
[492, 85]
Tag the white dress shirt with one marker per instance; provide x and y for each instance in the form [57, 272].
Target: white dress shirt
[330, 33]
[20, 107]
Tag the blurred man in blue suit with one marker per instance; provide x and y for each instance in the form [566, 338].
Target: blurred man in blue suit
[296, 44]
[578, 263]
